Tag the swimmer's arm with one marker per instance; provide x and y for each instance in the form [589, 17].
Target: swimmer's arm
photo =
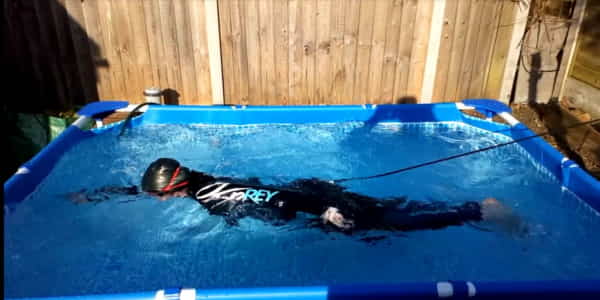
[328, 211]
[101, 194]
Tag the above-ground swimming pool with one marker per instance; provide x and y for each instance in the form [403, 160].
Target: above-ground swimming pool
[131, 246]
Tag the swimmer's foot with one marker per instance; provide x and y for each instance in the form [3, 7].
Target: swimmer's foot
[499, 214]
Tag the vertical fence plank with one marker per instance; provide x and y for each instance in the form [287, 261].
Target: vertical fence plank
[457, 51]
[31, 29]
[382, 13]
[309, 32]
[93, 28]
[446, 48]
[568, 56]
[82, 51]
[514, 52]
[124, 32]
[491, 46]
[296, 52]
[140, 47]
[475, 18]
[211, 10]
[485, 41]
[323, 49]
[267, 51]
[419, 51]
[197, 15]
[433, 50]
[253, 47]
[171, 58]
[48, 42]
[240, 53]
[390, 53]
[500, 51]
[350, 50]
[111, 50]
[365, 40]
[338, 20]
[280, 27]
[184, 47]
[227, 50]
[151, 21]
[403, 67]
[66, 54]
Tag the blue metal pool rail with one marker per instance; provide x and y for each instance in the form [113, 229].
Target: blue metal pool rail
[584, 290]
[572, 177]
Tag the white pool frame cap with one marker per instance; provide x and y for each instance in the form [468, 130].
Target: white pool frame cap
[187, 294]
[81, 122]
[445, 289]
[183, 294]
[512, 121]
[22, 170]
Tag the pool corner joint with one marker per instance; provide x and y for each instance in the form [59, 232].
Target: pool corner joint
[489, 108]
[565, 168]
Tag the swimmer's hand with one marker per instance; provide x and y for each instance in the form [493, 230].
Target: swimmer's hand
[102, 194]
[78, 197]
[334, 216]
[502, 216]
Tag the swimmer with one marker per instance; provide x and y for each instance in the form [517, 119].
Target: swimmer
[335, 207]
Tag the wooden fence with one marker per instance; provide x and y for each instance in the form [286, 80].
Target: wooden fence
[586, 63]
[266, 51]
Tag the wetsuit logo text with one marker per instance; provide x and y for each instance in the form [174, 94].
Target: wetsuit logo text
[221, 192]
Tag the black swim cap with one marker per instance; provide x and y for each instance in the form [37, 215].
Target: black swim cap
[164, 175]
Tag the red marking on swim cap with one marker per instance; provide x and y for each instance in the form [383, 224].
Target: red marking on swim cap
[170, 186]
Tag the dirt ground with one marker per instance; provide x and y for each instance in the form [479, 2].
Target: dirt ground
[581, 144]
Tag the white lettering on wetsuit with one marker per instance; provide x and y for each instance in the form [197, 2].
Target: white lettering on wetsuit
[219, 191]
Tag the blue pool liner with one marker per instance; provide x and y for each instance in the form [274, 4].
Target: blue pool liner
[572, 177]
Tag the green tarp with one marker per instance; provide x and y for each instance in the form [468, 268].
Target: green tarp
[28, 134]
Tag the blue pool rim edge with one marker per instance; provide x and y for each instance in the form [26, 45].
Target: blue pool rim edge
[555, 289]
[572, 177]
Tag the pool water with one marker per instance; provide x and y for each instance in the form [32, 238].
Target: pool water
[54, 247]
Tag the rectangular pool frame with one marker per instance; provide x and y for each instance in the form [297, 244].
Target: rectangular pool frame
[571, 176]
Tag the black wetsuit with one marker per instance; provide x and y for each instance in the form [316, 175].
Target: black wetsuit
[236, 199]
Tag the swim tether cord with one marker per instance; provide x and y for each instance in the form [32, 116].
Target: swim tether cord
[456, 156]
[130, 116]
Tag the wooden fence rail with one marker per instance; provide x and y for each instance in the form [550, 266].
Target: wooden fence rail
[268, 52]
